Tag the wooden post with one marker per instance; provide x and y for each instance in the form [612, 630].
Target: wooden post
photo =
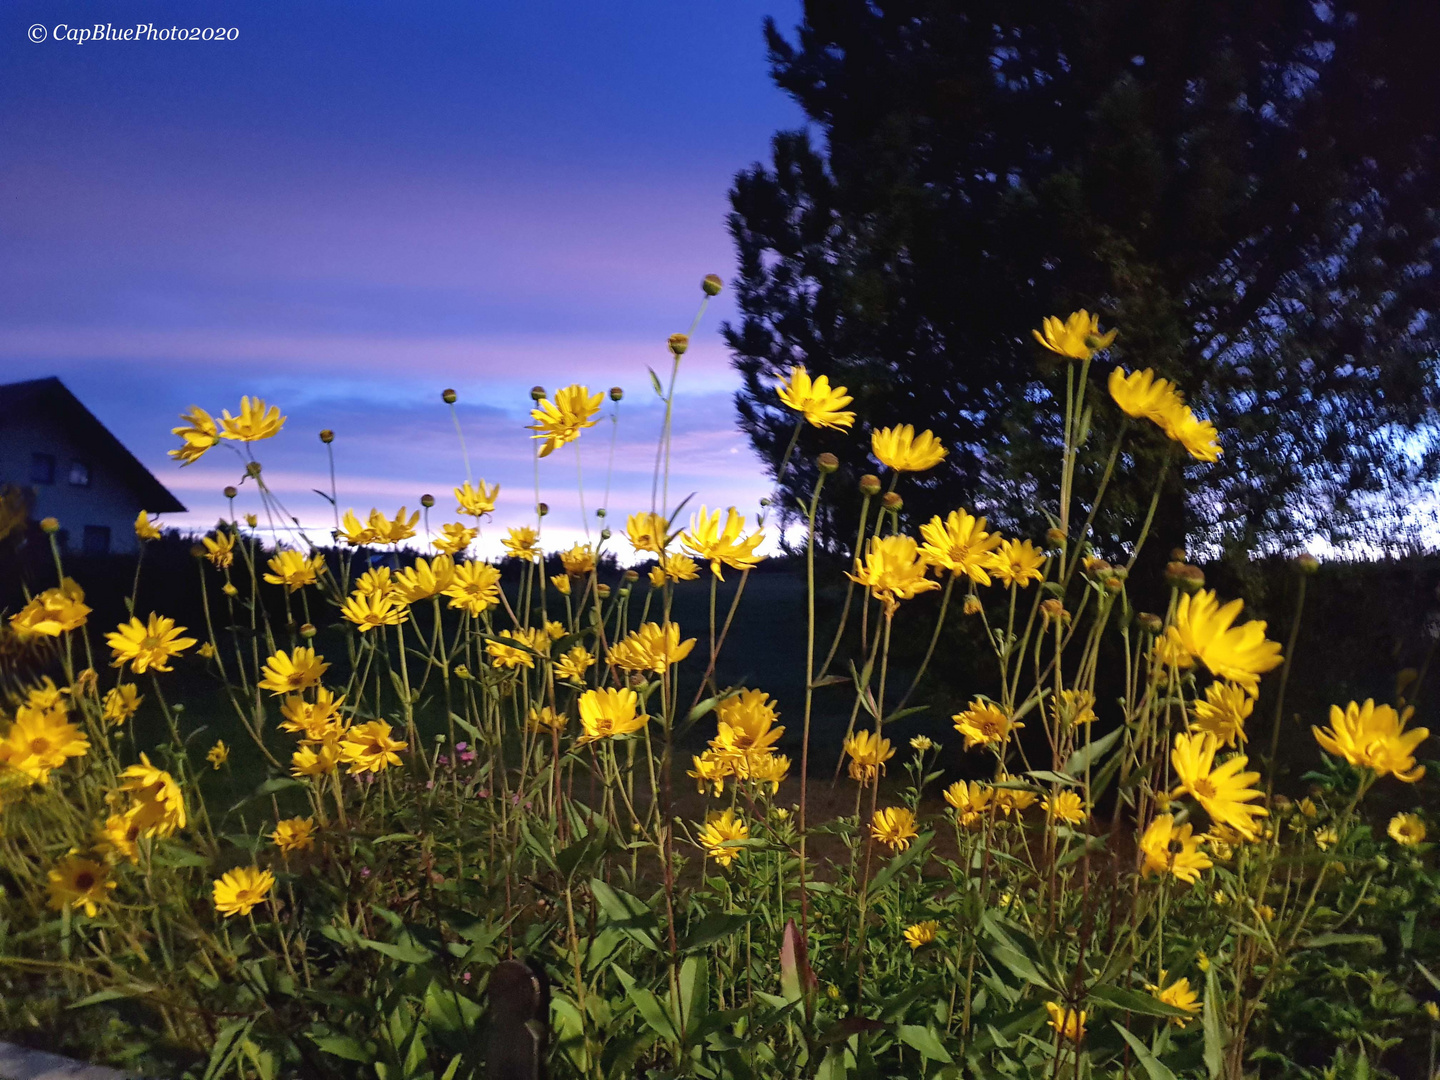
[519, 1022]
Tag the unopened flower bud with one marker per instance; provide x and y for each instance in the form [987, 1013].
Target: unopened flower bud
[603, 591]
[679, 343]
[197, 551]
[307, 630]
[869, 485]
[892, 501]
[49, 525]
[462, 672]
[427, 501]
[448, 396]
[712, 284]
[972, 605]
[827, 463]
[252, 469]
[631, 575]
[251, 520]
[1178, 554]
[1053, 610]
[1183, 576]
[542, 509]
[537, 393]
[1307, 564]
[1282, 804]
[1094, 566]
[230, 491]
[1149, 623]
[229, 590]
[1113, 584]
[1055, 538]
[616, 393]
[605, 534]
[327, 436]
[1119, 573]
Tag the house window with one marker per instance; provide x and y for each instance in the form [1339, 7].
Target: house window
[97, 540]
[79, 474]
[42, 468]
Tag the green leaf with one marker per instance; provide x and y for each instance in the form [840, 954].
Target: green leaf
[655, 382]
[409, 953]
[1214, 1026]
[1049, 777]
[1153, 1066]
[626, 913]
[717, 926]
[1136, 1002]
[1320, 941]
[924, 1040]
[694, 986]
[654, 1013]
[106, 995]
[908, 857]
[1082, 758]
[1434, 981]
[344, 1046]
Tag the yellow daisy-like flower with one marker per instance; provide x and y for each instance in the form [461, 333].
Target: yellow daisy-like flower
[369, 747]
[894, 569]
[651, 648]
[160, 804]
[762, 769]
[899, 448]
[868, 754]
[427, 578]
[674, 567]
[1171, 849]
[745, 728]
[707, 540]
[521, 543]
[220, 549]
[1067, 807]
[984, 724]
[474, 587]
[1373, 737]
[373, 611]
[1167, 653]
[647, 532]
[145, 529]
[608, 712]
[377, 581]
[1407, 830]
[454, 538]
[507, 656]
[1073, 708]
[294, 570]
[1013, 800]
[78, 882]
[294, 834]
[317, 720]
[578, 560]
[971, 802]
[119, 837]
[1141, 395]
[561, 583]
[1078, 337]
[1239, 654]
[1326, 838]
[720, 832]
[560, 421]
[147, 646]
[476, 501]
[1066, 1022]
[354, 533]
[710, 771]
[198, 432]
[894, 827]
[318, 759]
[960, 544]
[1017, 562]
[555, 630]
[253, 423]
[385, 530]
[120, 704]
[1223, 712]
[1177, 995]
[242, 890]
[547, 719]
[573, 665]
[218, 754]
[1197, 436]
[821, 405]
[41, 740]
[1225, 791]
[921, 933]
[54, 612]
[289, 673]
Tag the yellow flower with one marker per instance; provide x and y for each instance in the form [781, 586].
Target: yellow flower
[1407, 830]
[1326, 838]
[1013, 800]
[288, 673]
[710, 770]
[317, 720]
[199, 434]
[580, 559]
[561, 583]
[1265, 911]
[144, 529]
[1141, 395]
[923, 743]
[651, 648]
[1223, 712]
[555, 630]
[121, 703]
[229, 590]
[427, 578]
[899, 448]
[254, 422]
[476, 501]
[608, 712]
[1177, 995]
[647, 532]
[764, 769]
[376, 582]
[316, 760]
[1240, 654]
[454, 538]
[1432, 1010]
[1373, 737]
[147, 646]
[54, 612]
[547, 719]
[921, 933]
[294, 834]
[1017, 562]
[707, 540]
[218, 754]
[521, 542]
[294, 570]
[720, 832]
[78, 882]
[574, 664]
[220, 549]
[384, 530]
[815, 400]
[1307, 807]
[160, 804]
[893, 570]
[1197, 436]
[894, 827]
[960, 544]
[1078, 337]
[369, 747]
[674, 567]
[1167, 652]
[1169, 849]
[120, 835]
[206, 650]
[984, 724]
[868, 754]
[1073, 708]
[1067, 807]
[474, 588]
[352, 532]
[971, 802]
[41, 740]
[1068, 1023]
[1224, 791]
[370, 612]
[241, 890]
[744, 723]
[560, 421]
[508, 656]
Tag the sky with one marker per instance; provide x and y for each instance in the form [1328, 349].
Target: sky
[352, 206]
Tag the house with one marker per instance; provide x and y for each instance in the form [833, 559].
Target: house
[79, 473]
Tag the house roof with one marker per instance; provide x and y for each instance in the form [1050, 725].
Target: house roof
[52, 396]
